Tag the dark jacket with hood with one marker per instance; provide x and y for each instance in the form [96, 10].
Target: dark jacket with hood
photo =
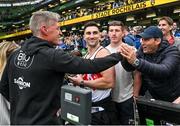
[33, 77]
[160, 71]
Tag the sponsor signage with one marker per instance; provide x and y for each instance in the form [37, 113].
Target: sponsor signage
[111, 12]
[117, 11]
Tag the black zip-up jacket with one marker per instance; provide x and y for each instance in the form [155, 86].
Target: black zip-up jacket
[33, 77]
[160, 71]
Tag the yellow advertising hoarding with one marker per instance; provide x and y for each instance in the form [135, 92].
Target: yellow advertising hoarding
[111, 12]
[119, 10]
[16, 34]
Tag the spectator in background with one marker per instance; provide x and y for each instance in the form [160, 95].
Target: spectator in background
[158, 63]
[75, 41]
[81, 43]
[128, 37]
[137, 30]
[130, 40]
[166, 26]
[6, 48]
[104, 39]
[115, 4]
[33, 76]
[176, 30]
[62, 44]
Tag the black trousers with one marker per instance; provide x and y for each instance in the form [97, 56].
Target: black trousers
[107, 116]
[125, 111]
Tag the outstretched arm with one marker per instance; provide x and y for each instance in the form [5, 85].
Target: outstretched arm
[63, 62]
[177, 101]
[106, 80]
[162, 69]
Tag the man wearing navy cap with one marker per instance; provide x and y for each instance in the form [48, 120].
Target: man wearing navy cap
[158, 63]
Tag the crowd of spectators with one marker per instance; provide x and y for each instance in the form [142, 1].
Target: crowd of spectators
[65, 15]
[9, 12]
[75, 40]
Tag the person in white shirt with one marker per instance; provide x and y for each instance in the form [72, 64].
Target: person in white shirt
[100, 84]
[122, 94]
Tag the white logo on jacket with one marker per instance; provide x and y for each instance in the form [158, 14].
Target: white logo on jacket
[21, 83]
[23, 61]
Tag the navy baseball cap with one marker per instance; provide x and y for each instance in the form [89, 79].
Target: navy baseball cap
[151, 32]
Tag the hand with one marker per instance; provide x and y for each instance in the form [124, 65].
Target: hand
[135, 98]
[120, 48]
[76, 79]
[177, 101]
[129, 52]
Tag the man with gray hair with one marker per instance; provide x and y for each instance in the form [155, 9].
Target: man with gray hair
[34, 73]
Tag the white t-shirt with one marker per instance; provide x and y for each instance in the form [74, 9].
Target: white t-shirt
[123, 89]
